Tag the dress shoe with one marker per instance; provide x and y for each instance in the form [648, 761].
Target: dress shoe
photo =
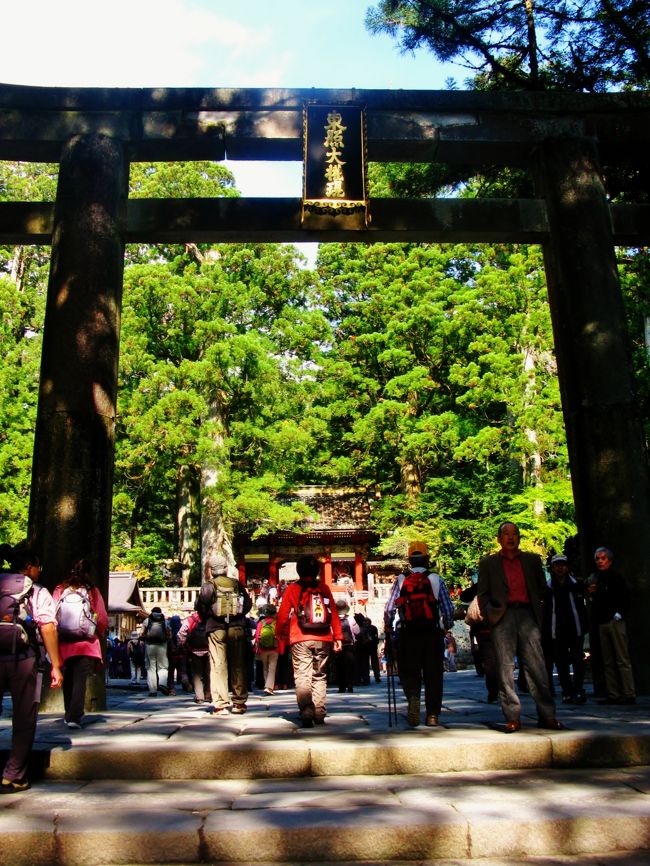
[431, 721]
[550, 725]
[512, 727]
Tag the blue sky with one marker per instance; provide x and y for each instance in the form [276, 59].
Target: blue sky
[209, 43]
[204, 43]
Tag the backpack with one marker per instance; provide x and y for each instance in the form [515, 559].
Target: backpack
[314, 614]
[75, 617]
[346, 628]
[227, 600]
[156, 630]
[364, 638]
[266, 639]
[137, 651]
[197, 639]
[16, 626]
[416, 602]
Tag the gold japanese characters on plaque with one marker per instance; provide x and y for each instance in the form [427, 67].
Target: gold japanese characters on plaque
[334, 170]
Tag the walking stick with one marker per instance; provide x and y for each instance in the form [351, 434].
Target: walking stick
[390, 679]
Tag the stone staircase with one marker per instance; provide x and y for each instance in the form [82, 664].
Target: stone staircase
[159, 780]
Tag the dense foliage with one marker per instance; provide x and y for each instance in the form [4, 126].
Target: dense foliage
[574, 45]
[424, 373]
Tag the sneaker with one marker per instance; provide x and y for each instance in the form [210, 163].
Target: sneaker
[14, 786]
[171, 692]
[238, 709]
[219, 711]
[431, 721]
[413, 713]
[75, 725]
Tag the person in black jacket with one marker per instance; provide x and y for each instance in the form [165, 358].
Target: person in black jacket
[609, 602]
[563, 630]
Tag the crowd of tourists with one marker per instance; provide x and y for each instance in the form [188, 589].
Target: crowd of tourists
[231, 644]
[304, 640]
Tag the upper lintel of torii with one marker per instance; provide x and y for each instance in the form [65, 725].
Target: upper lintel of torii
[468, 128]
[462, 127]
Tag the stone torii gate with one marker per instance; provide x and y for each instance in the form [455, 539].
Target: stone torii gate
[561, 139]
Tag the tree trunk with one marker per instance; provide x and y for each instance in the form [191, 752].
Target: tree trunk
[188, 525]
[214, 535]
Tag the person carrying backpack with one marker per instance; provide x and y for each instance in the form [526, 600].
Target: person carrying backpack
[223, 604]
[346, 661]
[425, 612]
[193, 637]
[27, 631]
[177, 659]
[265, 644]
[309, 611]
[136, 657]
[82, 625]
[156, 633]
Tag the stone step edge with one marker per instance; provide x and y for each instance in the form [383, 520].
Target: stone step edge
[376, 834]
[413, 756]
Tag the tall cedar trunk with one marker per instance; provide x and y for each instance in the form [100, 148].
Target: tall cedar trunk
[188, 524]
[410, 478]
[214, 535]
[532, 463]
[532, 42]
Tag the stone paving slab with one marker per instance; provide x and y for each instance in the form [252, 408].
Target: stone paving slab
[172, 737]
[501, 815]
[611, 858]
[159, 780]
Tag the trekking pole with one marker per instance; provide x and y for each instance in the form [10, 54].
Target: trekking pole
[390, 680]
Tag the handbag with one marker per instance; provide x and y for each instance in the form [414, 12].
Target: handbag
[473, 615]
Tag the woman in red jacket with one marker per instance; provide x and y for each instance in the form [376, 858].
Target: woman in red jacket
[314, 630]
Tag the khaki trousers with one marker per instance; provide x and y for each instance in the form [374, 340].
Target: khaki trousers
[619, 680]
[310, 658]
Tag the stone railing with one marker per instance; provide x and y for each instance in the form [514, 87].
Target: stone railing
[171, 599]
[180, 599]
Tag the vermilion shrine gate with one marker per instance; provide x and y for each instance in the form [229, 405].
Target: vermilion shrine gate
[562, 139]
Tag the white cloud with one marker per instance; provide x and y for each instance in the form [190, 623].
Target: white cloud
[127, 43]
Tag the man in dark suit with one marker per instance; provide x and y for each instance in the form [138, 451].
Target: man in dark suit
[511, 587]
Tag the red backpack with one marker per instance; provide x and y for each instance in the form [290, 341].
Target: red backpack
[416, 602]
[314, 614]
